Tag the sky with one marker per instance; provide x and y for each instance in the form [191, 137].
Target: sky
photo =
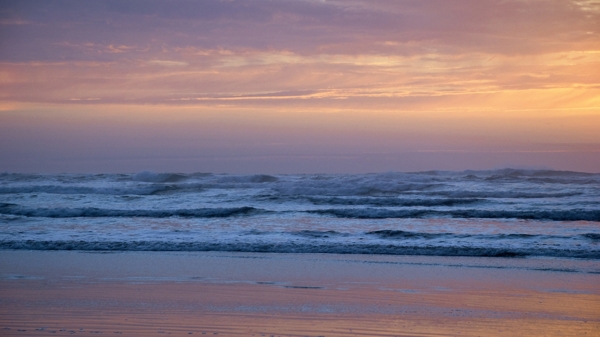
[299, 86]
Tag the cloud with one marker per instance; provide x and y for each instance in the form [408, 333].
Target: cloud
[422, 71]
[160, 29]
[166, 63]
[308, 27]
[588, 5]
[14, 22]
[117, 49]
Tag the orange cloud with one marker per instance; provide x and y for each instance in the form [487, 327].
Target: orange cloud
[330, 77]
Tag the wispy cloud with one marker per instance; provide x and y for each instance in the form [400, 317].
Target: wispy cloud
[14, 22]
[166, 63]
[465, 62]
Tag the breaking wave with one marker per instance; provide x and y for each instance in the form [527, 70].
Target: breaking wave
[66, 189]
[378, 213]
[286, 247]
[383, 201]
[430, 213]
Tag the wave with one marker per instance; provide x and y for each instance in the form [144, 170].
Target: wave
[435, 188]
[258, 178]
[92, 212]
[383, 201]
[318, 195]
[592, 236]
[65, 189]
[350, 187]
[318, 234]
[377, 213]
[406, 235]
[503, 194]
[398, 234]
[152, 177]
[351, 213]
[511, 172]
[395, 234]
[292, 247]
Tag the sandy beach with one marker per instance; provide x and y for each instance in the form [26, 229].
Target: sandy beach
[248, 294]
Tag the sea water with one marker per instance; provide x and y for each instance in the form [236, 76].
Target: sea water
[498, 213]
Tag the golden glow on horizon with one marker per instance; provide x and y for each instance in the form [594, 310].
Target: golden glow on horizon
[257, 76]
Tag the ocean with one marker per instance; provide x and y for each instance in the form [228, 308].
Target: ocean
[497, 213]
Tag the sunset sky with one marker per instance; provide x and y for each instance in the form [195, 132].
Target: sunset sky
[299, 86]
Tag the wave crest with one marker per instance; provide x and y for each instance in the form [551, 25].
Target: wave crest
[257, 178]
[274, 247]
[378, 213]
[152, 177]
[91, 212]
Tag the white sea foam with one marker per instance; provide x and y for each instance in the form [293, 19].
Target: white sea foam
[315, 247]
[475, 213]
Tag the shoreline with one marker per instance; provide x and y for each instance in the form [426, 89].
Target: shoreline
[240, 294]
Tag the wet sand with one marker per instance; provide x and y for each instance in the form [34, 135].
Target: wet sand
[241, 294]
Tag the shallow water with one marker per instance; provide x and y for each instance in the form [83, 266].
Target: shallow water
[260, 294]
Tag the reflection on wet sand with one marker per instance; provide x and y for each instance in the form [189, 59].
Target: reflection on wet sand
[458, 301]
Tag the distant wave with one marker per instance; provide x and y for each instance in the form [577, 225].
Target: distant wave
[90, 212]
[381, 189]
[66, 189]
[378, 213]
[152, 177]
[353, 187]
[510, 172]
[257, 178]
[291, 247]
